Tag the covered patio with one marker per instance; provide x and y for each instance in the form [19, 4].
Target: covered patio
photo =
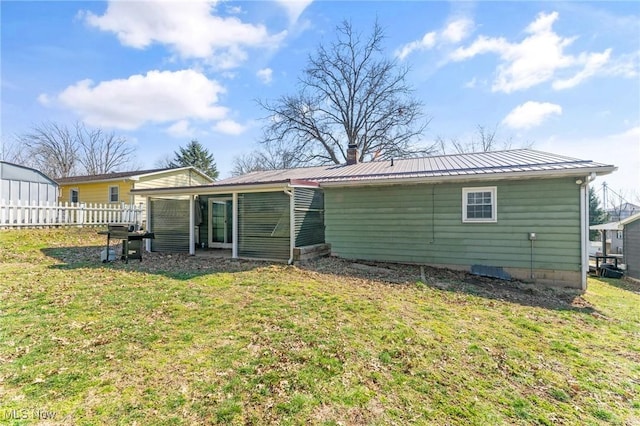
[282, 220]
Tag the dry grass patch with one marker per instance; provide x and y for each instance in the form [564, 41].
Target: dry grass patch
[183, 340]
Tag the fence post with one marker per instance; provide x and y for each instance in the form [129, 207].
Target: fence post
[82, 213]
[3, 213]
[11, 212]
[33, 216]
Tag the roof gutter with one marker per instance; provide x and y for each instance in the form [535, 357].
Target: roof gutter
[225, 189]
[599, 171]
[210, 189]
[114, 179]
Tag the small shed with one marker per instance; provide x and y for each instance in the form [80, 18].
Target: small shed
[23, 185]
[631, 237]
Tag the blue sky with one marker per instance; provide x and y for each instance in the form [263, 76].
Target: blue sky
[564, 77]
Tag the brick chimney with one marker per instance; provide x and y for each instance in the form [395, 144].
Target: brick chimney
[352, 154]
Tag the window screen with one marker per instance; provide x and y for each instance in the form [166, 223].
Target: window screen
[113, 194]
[479, 204]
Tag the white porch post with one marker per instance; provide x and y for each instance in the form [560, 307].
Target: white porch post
[192, 224]
[234, 226]
[147, 213]
[584, 231]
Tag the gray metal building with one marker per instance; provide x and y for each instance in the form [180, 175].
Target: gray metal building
[632, 245]
[21, 185]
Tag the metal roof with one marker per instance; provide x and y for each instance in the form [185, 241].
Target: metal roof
[11, 171]
[520, 162]
[513, 164]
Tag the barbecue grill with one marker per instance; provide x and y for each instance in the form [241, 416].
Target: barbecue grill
[130, 237]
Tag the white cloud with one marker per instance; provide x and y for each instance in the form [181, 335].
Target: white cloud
[229, 127]
[538, 58]
[189, 29]
[294, 8]
[471, 83]
[456, 31]
[531, 114]
[181, 129]
[44, 99]
[622, 150]
[265, 75]
[234, 10]
[627, 66]
[593, 63]
[158, 96]
[428, 41]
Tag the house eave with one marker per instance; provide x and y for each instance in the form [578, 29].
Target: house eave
[630, 219]
[226, 188]
[546, 174]
[364, 181]
[131, 177]
[82, 182]
[177, 169]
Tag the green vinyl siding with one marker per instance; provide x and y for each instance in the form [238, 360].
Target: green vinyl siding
[170, 224]
[264, 225]
[309, 216]
[423, 224]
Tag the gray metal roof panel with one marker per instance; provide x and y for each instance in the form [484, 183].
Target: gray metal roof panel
[514, 161]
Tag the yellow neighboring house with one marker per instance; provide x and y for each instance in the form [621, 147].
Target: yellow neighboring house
[116, 187]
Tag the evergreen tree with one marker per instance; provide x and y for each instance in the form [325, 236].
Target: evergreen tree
[194, 154]
[597, 215]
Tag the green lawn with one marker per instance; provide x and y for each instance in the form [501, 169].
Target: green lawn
[179, 340]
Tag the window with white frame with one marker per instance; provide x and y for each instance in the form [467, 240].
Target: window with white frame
[114, 194]
[73, 195]
[479, 204]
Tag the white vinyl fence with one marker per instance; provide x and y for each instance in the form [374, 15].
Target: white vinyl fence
[67, 214]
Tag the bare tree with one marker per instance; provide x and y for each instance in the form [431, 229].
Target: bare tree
[616, 203]
[349, 94]
[12, 152]
[59, 151]
[273, 156]
[484, 140]
[102, 152]
[52, 149]
[163, 162]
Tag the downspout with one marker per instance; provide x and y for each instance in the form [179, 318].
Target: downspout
[584, 221]
[292, 224]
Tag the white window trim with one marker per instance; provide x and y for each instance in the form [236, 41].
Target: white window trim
[71, 191]
[109, 194]
[494, 204]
